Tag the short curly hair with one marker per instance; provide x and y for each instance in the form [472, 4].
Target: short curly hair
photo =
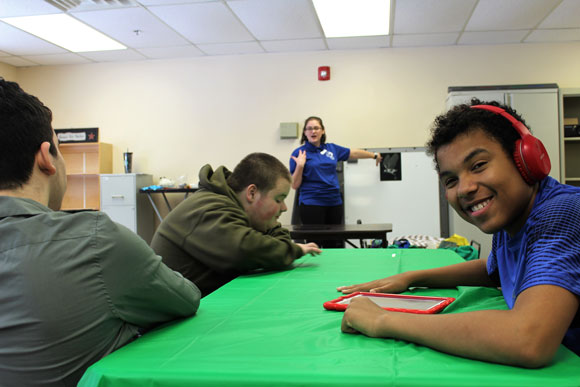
[462, 119]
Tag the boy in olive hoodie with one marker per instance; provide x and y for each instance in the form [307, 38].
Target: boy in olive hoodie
[230, 226]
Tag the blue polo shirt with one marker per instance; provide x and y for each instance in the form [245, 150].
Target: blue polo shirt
[546, 251]
[319, 179]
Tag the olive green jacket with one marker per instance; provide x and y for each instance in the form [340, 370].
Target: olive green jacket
[208, 237]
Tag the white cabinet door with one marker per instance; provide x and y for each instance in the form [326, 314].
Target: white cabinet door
[461, 97]
[124, 215]
[118, 190]
[118, 199]
[121, 200]
[540, 111]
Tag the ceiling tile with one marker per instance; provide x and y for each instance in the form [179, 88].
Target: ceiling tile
[425, 40]
[16, 61]
[121, 24]
[358, 42]
[431, 16]
[11, 8]
[509, 15]
[113, 56]
[564, 35]
[566, 15]
[190, 28]
[231, 48]
[492, 37]
[18, 42]
[278, 19]
[204, 23]
[57, 59]
[171, 52]
[294, 45]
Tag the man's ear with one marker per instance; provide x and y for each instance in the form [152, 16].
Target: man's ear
[44, 159]
[251, 193]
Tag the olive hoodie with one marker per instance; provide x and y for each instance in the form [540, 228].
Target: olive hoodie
[208, 237]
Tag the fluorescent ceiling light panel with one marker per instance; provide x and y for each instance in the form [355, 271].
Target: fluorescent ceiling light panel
[65, 31]
[346, 18]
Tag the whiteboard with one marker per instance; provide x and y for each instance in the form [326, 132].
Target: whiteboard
[411, 205]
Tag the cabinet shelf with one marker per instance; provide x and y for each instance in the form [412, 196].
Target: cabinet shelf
[84, 163]
[570, 146]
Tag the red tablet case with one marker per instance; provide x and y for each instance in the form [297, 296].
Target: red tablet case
[439, 302]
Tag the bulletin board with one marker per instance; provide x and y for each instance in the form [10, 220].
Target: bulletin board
[404, 191]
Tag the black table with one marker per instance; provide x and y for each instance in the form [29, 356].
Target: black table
[164, 191]
[341, 232]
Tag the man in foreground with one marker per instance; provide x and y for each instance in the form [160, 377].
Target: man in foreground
[74, 286]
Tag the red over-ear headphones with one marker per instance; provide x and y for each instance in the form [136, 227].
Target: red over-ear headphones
[530, 156]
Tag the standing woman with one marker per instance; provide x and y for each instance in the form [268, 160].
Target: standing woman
[314, 177]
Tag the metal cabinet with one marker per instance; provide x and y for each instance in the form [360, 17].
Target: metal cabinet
[120, 199]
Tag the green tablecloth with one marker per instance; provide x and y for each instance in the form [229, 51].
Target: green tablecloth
[270, 329]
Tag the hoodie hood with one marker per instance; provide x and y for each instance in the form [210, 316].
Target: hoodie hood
[216, 181]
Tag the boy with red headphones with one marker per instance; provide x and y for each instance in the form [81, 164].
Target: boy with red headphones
[495, 175]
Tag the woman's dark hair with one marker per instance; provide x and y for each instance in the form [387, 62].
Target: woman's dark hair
[25, 123]
[463, 119]
[304, 138]
[260, 169]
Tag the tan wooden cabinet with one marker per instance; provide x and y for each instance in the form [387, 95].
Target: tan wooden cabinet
[84, 163]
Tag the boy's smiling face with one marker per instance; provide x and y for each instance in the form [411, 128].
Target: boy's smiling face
[482, 183]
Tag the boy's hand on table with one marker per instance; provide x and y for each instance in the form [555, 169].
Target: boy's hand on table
[364, 316]
[394, 284]
[310, 248]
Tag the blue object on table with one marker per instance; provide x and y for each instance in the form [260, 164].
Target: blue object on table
[153, 187]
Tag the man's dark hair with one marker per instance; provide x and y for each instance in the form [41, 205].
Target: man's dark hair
[462, 119]
[304, 138]
[260, 169]
[25, 123]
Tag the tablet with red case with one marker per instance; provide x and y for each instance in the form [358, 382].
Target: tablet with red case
[394, 302]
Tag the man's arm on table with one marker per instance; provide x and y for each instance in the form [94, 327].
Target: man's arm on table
[470, 273]
[142, 290]
[281, 233]
[527, 335]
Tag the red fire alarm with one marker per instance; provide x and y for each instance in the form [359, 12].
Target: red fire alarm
[324, 73]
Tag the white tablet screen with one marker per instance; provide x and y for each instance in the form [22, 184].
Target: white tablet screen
[398, 302]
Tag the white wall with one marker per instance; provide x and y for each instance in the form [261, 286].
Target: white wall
[7, 72]
[177, 115]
